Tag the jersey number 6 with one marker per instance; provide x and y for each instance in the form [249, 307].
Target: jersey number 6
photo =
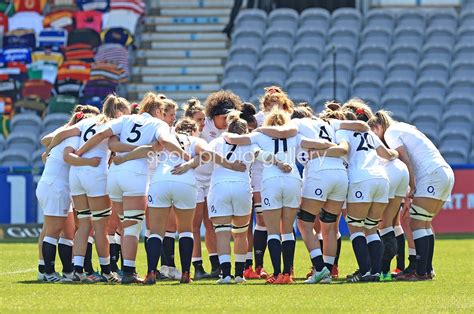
[91, 131]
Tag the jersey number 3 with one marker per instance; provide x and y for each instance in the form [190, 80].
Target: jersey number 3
[136, 132]
[364, 144]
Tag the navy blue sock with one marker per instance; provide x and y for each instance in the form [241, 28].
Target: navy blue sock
[275, 247]
[65, 254]
[422, 248]
[361, 251]
[168, 251]
[154, 250]
[88, 267]
[318, 263]
[338, 251]
[375, 252]
[214, 259]
[225, 268]
[288, 252]
[431, 242]
[49, 254]
[259, 246]
[401, 251]
[113, 257]
[186, 243]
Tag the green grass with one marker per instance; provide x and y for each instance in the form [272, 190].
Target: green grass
[452, 290]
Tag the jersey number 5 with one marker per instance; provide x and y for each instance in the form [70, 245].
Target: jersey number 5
[91, 131]
[364, 144]
[136, 132]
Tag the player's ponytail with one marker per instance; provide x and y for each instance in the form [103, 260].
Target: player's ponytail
[150, 103]
[186, 126]
[248, 113]
[235, 124]
[359, 108]
[275, 96]
[277, 118]
[81, 112]
[333, 110]
[191, 107]
[113, 107]
[381, 118]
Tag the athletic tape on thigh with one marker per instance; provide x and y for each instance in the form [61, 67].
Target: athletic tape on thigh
[120, 216]
[133, 215]
[327, 217]
[419, 213]
[258, 208]
[354, 221]
[84, 213]
[97, 215]
[305, 216]
[240, 229]
[370, 223]
[222, 228]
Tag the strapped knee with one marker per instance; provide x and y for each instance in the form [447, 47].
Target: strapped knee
[327, 217]
[135, 216]
[222, 227]
[419, 213]
[258, 208]
[370, 223]
[306, 216]
[240, 229]
[84, 213]
[98, 215]
[356, 222]
[133, 230]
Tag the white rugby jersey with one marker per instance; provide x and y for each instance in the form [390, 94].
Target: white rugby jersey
[362, 157]
[233, 153]
[137, 130]
[260, 117]
[168, 160]
[423, 155]
[209, 132]
[257, 166]
[55, 168]
[88, 128]
[284, 149]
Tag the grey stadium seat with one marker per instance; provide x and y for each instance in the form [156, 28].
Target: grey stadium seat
[247, 37]
[380, 18]
[53, 121]
[465, 34]
[285, 18]
[343, 70]
[344, 36]
[276, 53]
[240, 87]
[344, 54]
[262, 82]
[372, 69]
[405, 52]
[471, 157]
[464, 51]
[376, 53]
[408, 36]
[428, 123]
[279, 36]
[307, 52]
[22, 140]
[14, 157]
[36, 158]
[462, 68]
[456, 137]
[347, 17]
[458, 120]
[466, 17]
[311, 36]
[239, 70]
[300, 88]
[398, 105]
[325, 87]
[430, 68]
[460, 102]
[364, 87]
[26, 122]
[315, 17]
[255, 99]
[304, 69]
[253, 18]
[461, 85]
[447, 18]
[454, 155]
[431, 85]
[3, 143]
[397, 86]
[402, 69]
[411, 18]
[377, 35]
[438, 51]
[320, 99]
[244, 54]
[440, 34]
[275, 70]
[428, 102]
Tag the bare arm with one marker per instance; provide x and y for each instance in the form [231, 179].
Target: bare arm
[46, 140]
[403, 156]
[61, 136]
[267, 157]
[316, 144]
[386, 153]
[74, 160]
[336, 151]
[359, 126]
[235, 139]
[285, 131]
[94, 141]
[167, 142]
[116, 146]
[139, 152]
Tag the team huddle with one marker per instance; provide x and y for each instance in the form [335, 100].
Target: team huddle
[222, 163]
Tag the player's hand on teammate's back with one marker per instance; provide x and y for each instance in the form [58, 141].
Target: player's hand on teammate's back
[238, 166]
[94, 161]
[285, 167]
[117, 160]
[181, 168]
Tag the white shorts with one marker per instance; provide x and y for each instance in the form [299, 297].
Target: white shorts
[368, 191]
[202, 191]
[164, 194]
[398, 178]
[326, 184]
[85, 181]
[256, 182]
[437, 185]
[278, 192]
[229, 199]
[54, 198]
[126, 183]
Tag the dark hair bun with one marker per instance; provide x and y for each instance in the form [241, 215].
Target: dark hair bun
[334, 106]
[248, 110]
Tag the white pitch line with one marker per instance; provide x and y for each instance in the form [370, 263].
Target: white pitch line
[22, 271]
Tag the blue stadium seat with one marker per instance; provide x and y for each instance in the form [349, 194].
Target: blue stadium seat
[347, 17]
[408, 36]
[239, 70]
[253, 18]
[434, 68]
[440, 34]
[460, 102]
[454, 155]
[466, 33]
[380, 18]
[307, 52]
[262, 82]
[343, 71]
[276, 53]
[428, 102]
[22, 141]
[456, 137]
[398, 105]
[285, 18]
[14, 157]
[447, 18]
[464, 51]
[244, 54]
[300, 89]
[431, 85]
[458, 120]
[315, 17]
[405, 52]
[343, 36]
[461, 85]
[367, 87]
[398, 86]
[344, 54]
[377, 35]
[247, 37]
[277, 35]
[376, 53]
[311, 36]
[304, 69]
[466, 17]
[438, 51]
[53, 121]
[270, 68]
[36, 158]
[462, 68]
[411, 18]
[428, 123]
[26, 122]
[325, 87]
[402, 69]
[372, 69]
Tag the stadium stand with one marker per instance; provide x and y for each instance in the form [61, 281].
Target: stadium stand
[417, 63]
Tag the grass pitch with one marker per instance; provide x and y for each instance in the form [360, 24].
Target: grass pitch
[452, 290]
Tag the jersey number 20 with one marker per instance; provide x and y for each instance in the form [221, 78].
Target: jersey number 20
[364, 141]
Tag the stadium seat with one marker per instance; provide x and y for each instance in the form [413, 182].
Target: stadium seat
[304, 69]
[277, 35]
[253, 18]
[311, 36]
[408, 36]
[431, 85]
[398, 105]
[462, 68]
[372, 69]
[320, 99]
[62, 104]
[436, 68]
[315, 18]
[465, 33]
[247, 37]
[307, 52]
[375, 53]
[36, 158]
[262, 82]
[402, 69]
[23, 141]
[285, 18]
[347, 17]
[438, 51]
[14, 158]
[456, 137]
[471, 156]
[269, 68]
[461, 85]
[428, 123]
[444, 18]
[244, 54]
[457, 120]
[3, 143]
[325, 88]
[463, 51]
[411, 18]
[343, 70]
[467, 17]
[380, 18]
[344, 54]
[52, 121]
[454, 155]
[460, 102]
[367, 87]
[239, 70]
[428, 102]
[276, 53]
[410, 53]
[440, 34]
[240, 87]
[26, 122]
[343, 36]
[377, 36]
[300, 89]
[397, 86]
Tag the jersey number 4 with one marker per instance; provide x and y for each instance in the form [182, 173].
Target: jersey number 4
[364, 144]
[323, 134]
[136, 133]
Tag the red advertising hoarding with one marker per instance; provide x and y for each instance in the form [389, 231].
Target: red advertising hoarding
[457, 216]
